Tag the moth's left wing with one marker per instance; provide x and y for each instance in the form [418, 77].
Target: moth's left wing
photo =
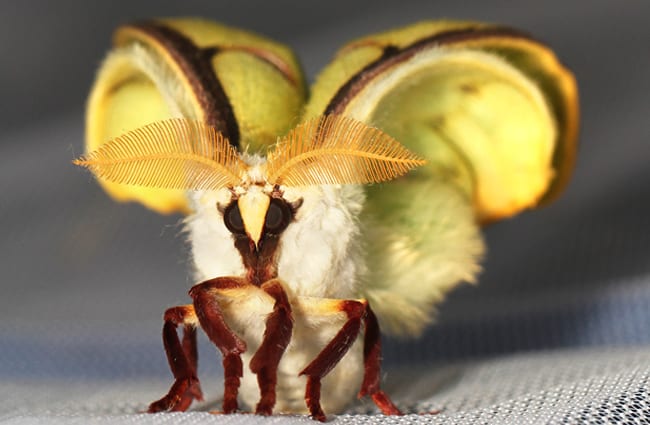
[495, 115]
[249, 88]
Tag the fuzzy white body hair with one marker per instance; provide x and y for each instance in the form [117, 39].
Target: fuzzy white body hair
[319, 257]
[213, 250]
[319, 254]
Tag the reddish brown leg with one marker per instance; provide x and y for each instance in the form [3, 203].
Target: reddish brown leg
[182, 360]
[331, 355]
[277, 335]
[372, 366]
[189, 346]
[336, 349]
[212, 321]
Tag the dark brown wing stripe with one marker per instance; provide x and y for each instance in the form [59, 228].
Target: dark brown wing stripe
[195, 64]
[393, 55]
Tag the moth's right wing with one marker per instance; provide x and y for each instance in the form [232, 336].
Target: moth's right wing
[493, 112]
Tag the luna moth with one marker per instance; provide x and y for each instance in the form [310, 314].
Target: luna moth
[317, 217]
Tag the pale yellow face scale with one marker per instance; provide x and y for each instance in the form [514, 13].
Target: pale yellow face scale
[253, 206]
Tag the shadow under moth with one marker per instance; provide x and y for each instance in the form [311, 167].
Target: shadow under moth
[318, 216]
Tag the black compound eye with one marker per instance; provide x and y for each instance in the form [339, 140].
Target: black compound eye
[232, 219]
[278, 216]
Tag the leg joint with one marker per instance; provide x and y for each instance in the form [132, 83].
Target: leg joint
[181, 315]
[355, 309]
[217, 284]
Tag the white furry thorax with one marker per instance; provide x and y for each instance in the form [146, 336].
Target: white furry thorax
[319, 253]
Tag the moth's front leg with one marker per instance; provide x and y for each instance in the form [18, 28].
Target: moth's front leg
[182, 360]
[357, 311]
[231, 346]
[372, 364]
[277, 335]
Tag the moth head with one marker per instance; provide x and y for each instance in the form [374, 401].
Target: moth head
[258, 211]
[190, 155]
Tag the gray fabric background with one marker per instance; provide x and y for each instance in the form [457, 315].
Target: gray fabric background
[557, 331]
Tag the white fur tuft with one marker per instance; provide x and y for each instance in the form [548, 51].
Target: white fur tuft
[213, 249]
[320, 252]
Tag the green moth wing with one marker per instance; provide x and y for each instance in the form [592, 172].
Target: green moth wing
[249, 88]
[493, 112]
[488, 105]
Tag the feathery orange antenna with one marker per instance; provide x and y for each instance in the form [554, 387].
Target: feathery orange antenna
[334, 149]
[171, 154]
